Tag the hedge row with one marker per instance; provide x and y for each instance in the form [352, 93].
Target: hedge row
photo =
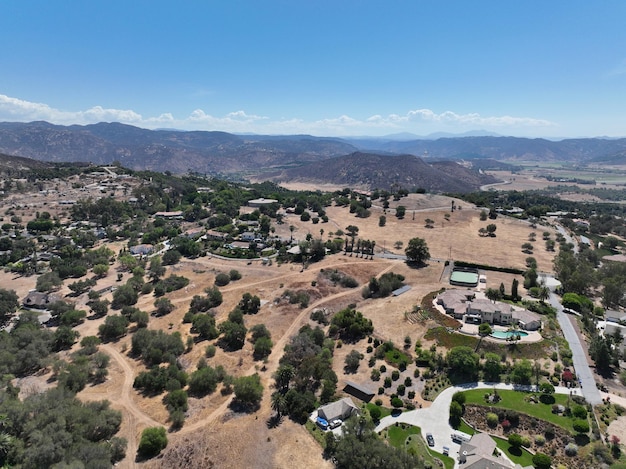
[506, 270]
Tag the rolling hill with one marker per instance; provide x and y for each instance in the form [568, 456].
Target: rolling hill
[370, 171]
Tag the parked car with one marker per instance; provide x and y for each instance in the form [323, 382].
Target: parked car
[430, 439]
[323, 424]
[335, 423]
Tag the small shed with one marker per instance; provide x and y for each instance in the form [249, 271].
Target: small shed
[359, 391]
[401, 290]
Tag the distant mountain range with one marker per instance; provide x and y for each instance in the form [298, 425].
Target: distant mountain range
[297, 156]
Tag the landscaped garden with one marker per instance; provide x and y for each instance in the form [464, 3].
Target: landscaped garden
[554, 424]
[525, 402]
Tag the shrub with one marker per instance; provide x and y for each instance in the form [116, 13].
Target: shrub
[459, 397]
[581, 426]
[515, 440]
[542, 461]
[375, 413]
[492, 419]
[540, 440]
[222, 279]
[571, 449]
[395, 375]
[234, 275]
[397, 402]
[579, 412]
[153, 441]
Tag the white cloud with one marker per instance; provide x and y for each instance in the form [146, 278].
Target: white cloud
[420, 121]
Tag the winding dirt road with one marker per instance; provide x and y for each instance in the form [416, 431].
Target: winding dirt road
[135, 418]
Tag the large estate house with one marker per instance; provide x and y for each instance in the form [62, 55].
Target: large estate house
[464, 306]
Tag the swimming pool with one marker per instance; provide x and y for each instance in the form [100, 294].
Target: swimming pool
[508, 334]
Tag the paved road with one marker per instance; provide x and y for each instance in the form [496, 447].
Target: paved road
[581, 365]
[435, 419]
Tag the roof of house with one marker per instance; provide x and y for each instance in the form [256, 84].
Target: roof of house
[141, 249]
[193, 232]
[489, 306]
[36, 299]
[454, 295]
[295, 250]
[261, 201]
[479, 454]
[337, 410]
[525, 316]
[358, 391]
[177, 213]
[401, 290]
[216, 234]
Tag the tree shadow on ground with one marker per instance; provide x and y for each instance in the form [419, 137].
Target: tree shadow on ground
[582, 439]
[515, 450]
[274, 421]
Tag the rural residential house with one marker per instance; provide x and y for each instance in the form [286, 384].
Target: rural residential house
[462, 305]
[477, 453]
[341, 409]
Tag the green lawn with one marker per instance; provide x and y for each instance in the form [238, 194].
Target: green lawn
[409, 437]
[516, 400]
[384, 411]
[524, 459]
[398, 435]
[465, 428]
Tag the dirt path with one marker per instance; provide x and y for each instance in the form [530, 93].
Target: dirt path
[272, 364]
[135, 418]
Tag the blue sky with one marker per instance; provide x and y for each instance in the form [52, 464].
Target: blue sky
[328, 68]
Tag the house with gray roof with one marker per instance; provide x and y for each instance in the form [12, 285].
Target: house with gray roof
[40, 300]
[478, 453]
[341, 409]
[462, 305]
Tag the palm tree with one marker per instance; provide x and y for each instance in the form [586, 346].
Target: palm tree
[278, 403]
[291, 230]
[283, 377]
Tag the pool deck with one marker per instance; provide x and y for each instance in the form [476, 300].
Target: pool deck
[472, 329]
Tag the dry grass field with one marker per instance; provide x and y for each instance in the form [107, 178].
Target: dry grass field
[215, 436]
